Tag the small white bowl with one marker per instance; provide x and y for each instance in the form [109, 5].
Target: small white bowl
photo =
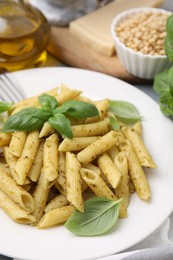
[138, 64]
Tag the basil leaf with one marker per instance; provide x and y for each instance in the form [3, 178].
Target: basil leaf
[161, 81]
[99, 216]
[77, 109]
[48, 102]
[170, 80]
[125, 111]
[62, 125]
[115, 125]
[4, 106]
[166, 103]
[168, 44]
[26, 119]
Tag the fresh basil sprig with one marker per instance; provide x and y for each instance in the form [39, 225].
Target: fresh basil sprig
[99, 216]
[5, 106]
[30, 119]
[26, 119]
[125, 111]
[163, 82]
[168, 44]
[77, 109]
[62, 125]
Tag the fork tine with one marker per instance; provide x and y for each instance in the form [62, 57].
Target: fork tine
[17, 89]
[9, 90]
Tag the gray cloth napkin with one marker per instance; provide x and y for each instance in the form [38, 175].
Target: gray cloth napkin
[158, 253]
[60, 12]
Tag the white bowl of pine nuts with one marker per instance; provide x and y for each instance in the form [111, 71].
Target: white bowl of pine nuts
[139, 35]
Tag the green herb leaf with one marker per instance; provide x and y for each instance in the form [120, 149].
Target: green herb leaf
[77, 109]
[166, 103]
[168, 45]
[125, 111]
[62, 125]
[161, 82]
[4, 106]
[99, 216]
[26, 119]
[170, 80]
[48, 102]
[115, 125]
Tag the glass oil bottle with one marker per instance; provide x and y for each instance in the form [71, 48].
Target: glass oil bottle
[24, 35]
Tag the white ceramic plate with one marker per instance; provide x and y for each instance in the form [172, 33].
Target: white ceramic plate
[27, 242]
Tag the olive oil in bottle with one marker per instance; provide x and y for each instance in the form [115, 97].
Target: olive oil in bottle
[24, 34]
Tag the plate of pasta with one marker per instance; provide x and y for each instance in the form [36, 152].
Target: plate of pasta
[65, 147]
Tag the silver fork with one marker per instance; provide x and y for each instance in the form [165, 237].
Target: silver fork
[10, 89]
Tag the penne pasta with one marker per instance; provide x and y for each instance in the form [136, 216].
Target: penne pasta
[93, 129]
[14, 211]
[141, 151]
[56, 216]
[92, 167]
[67, 94]
[77, 143]
[46, 130]
[5, 139]
[58, 202]
[32, 101]
[109, 169]
[99, 187]
[11, 161]
[102, 106]
[37, 164]
[122, 191]
[61, 179]
[15, 192]
[40, 196]
[136, 172]
[17, 143]
[74, 188]
[26, 159]
[98, 147]
[138, 128]
[50, 160]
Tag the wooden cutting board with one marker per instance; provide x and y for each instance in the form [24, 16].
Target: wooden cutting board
[73, 52]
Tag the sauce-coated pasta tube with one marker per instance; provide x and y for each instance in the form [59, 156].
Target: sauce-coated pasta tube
[15, 192]
[33, 101]
[61, 179]
[56, 216]
[17, 143]
[50, 159]
[46, 130]
[98, 147]
[26, 159]
[136, 172]
[109, 169]
[5, 139]
[102, 106]
[36, 167]
[99, 187]
[67, 94]
[40, 196]
[58, 202]
[11, 160]
[122, 191]
[93, 129]
[77, 143]
[14, 211]
[141, 151]
[74, 187]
